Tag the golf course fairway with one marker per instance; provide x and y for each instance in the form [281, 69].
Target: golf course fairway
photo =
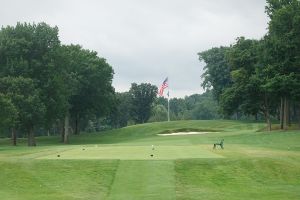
[135, 163]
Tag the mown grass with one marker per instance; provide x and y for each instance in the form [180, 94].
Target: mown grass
[243, 178]
[67, 179]
[117, 164]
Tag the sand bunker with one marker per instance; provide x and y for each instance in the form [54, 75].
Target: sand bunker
[184, 133]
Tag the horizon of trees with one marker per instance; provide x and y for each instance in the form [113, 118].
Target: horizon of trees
[193, 107]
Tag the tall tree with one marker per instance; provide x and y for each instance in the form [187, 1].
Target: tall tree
[217, 70]
[142, 98]
[248, 92]
[29, 50]
[284, 51]
[87, 85]
[67, 81]
[95, 94]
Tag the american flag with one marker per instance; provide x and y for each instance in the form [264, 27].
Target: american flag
[163, 86]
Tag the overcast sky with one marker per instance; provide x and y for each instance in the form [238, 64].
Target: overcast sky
[146, 40]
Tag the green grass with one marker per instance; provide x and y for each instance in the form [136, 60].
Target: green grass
[144, 180]
[259, 178]
[67, 179]
[132, 153]
[117, 164]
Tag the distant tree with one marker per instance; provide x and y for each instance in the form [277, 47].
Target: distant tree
[177, 108]
[201, 106]
[159, 113]
[205, 111]
[187, 108]
[162, 101]
[142, 99]
[120, 114]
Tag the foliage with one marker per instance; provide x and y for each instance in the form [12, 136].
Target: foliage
[142, 99]
[196, 106]
[45, 81]
[25, 98]
[87, 84]
[120, 114]
[217, 70]
[261, 76]
[8, 112]
[159, 114]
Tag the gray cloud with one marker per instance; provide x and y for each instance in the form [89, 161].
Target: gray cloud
[146, 40]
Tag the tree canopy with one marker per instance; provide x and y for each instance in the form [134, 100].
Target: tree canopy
[262, 76]
[44, 82]
[142, 98]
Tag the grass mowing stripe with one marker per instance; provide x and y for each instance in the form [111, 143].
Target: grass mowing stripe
[56, 179]
[147, 180]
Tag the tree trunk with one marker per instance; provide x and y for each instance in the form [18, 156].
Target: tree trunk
[281, 113]
[299, 115]
[66, 134]
[289, 113]
[285, 114]
[62, 131]
[299, 118]
[14, 137]
[54, 129]
[77, 130]
[31, 139]
[294, 109]
[267, 114]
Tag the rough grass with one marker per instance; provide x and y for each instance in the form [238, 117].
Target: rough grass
[117, 164]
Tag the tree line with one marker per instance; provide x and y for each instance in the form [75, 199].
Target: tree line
[44, 83]
[46, 86]
[140, 105]
[255, 77]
